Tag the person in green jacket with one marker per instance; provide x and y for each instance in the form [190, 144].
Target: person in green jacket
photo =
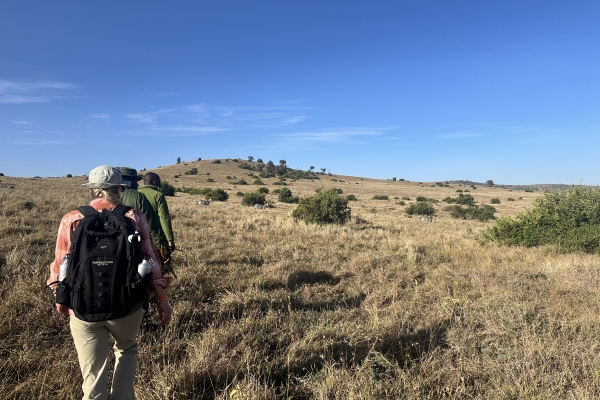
[159, 203]
[136, 200]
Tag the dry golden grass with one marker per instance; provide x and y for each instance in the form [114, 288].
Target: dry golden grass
[267, 308]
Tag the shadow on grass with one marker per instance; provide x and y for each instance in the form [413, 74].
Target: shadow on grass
[300, 278]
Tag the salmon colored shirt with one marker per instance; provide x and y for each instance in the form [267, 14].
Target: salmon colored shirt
[67, 228]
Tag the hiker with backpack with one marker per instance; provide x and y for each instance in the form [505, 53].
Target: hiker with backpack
[105, 269]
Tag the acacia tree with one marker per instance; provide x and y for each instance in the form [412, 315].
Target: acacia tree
[250, 158]
[489, 182]
[312, 167]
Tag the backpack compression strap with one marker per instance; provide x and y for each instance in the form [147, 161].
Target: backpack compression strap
[87, 210]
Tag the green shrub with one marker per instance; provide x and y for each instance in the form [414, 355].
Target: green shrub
[258, 182]
[208, 193]
[240, 182]
[380, 197]
[252, 198]
[459, 191]
[420, 209]
[495, 200]
[483, 213]
[192, 171]
[405, 198]
[1, 174]
[569, 220]
[285, 196]
[69, 176]
[401, 203]
[338, 190]
[240, 194]
[229, 177]
[510, 199]
[463, 199]
[280, 183]
[216, 162]
[351, 197]
[263, 190]
[176, 176]
[210, 180]
[423, 199]
[167, 189]
[325, 207]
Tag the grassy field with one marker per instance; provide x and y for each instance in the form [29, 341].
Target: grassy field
[385, 307]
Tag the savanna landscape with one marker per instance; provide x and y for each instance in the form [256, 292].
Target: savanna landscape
[265, 306]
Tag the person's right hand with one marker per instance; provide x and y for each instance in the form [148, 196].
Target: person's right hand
[171, 245]
[164, 312]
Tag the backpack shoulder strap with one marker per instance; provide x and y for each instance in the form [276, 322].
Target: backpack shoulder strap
[87, 210]
[121, 209]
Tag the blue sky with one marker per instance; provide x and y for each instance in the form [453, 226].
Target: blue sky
[420, 90]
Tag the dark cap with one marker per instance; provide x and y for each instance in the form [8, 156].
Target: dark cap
[129, 174]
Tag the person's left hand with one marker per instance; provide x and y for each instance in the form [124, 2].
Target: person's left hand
[164, 312]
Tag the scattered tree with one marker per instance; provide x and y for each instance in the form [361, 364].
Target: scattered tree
[489, 182]
[178, 160]
[250, 158]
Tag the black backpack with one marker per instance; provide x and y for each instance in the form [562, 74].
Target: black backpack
[102, 280]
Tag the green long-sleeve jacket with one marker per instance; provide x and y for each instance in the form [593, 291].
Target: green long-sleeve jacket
[159, 203]
[138, 201]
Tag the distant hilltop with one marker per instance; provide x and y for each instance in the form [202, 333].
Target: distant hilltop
[544, 187]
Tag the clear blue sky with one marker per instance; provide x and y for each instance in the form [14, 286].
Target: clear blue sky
[421, 90]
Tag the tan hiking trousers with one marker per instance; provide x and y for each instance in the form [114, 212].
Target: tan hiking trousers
[91, 342]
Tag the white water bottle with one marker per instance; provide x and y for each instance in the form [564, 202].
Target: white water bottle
[62, 270]
[144, 267]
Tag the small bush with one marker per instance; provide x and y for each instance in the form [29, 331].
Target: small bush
[326, 207]
[208, 193]
[423, 199]
[210, 180]
[280, 183]
[420, 209]
[285, 196]
[192, 171]
[258, 182]
[1, 174]
[240, 182]
[459, 191]
[252, 198]
[463, 199]
[338, 191]
[510, 199]
[380, 197]
[401, 203]
[495, 200]
[69, 176]
[176, 176]
[216, 162]
[569, 220]
[263, 190]
[167, 189]
[351, 197]
[240, 194]
[405, 198]
[483, 213]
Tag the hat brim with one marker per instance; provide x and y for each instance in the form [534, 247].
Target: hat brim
[94, 185]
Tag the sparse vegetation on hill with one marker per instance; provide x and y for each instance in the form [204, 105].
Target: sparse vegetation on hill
[483, 213]
[569, 220]
[382, 307]
[209, 193]
[462, 199]
[285, 196]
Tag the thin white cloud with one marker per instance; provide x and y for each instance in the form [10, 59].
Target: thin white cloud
[100, 116]
[151, 117]
[295, 120]
[459, 135]
[18, 122]
[23, 92]
[334, 135]
[38, 142]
